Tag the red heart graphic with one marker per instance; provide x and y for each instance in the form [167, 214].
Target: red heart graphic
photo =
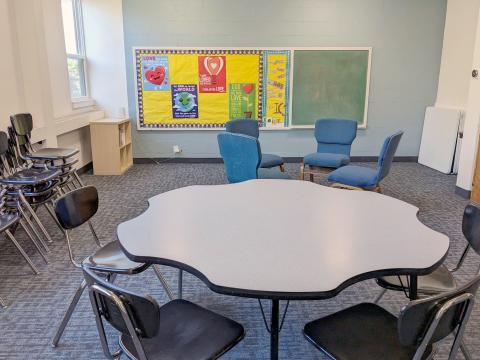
[156, 76]
[247, 88]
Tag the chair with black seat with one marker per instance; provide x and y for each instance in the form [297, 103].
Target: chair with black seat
[56, 158]
[441, 279]
[27, 189]
[241, 156]
[250, 127]
[73, 210]
[367, 331]
[176, 330]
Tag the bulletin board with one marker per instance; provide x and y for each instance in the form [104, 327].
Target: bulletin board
[190, 89]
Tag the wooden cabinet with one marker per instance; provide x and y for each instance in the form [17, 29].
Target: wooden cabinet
[111, 146]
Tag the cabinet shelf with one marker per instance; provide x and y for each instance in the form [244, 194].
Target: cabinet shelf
[111, 146]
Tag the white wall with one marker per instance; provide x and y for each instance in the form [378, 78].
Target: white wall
[470, 133]
[34, 73]
[457, 54]
[103, 22]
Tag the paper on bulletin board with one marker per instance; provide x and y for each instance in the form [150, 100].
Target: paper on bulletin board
[155, 73]
[276, 93]
[157, 108]
[242, 101]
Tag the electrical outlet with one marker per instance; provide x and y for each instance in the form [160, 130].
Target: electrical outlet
[177, 149]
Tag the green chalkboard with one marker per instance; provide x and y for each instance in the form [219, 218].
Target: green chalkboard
[330, 84]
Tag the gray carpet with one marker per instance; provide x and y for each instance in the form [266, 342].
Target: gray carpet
[38, 302]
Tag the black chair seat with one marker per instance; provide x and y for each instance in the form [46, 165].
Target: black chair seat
[188, 332]
[30, 176]
[7, 220]
[362, 332]
[52, 153]
[439, 281]
[111, 258]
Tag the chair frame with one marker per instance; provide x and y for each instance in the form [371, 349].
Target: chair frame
[110, 276]
[95, 288]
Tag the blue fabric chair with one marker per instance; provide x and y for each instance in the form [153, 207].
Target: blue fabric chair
[334, 140]
[241, 156]
[250, 127]
[368, 178]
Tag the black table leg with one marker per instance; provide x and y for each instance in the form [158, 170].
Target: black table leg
[413, 288]
[274, 330]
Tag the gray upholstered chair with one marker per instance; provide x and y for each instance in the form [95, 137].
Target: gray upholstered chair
[241, 156]
[250, 127]
[334, 141]
[365, 178]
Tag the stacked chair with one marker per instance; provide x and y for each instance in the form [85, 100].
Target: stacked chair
[61, 159]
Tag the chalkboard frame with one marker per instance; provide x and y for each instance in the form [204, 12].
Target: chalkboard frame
[369, 49]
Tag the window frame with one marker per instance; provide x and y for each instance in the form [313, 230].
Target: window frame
[81, 52]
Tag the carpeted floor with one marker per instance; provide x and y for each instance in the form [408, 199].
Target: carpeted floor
[38, 302]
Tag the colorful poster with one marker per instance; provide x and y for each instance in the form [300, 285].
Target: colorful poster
[242, 101]
[184, 101]
[155, 73]
[212, 72]
[277, 76]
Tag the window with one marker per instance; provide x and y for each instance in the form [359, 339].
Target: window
[75, 45]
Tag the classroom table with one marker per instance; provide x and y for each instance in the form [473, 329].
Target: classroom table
[282, 239]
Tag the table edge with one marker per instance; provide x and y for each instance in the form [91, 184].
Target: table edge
[280, 295]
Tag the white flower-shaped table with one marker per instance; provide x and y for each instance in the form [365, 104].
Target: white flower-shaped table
[283, 240]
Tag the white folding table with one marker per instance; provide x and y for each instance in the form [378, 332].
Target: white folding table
[283, 240]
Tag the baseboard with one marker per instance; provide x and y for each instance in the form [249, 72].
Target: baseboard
[287, 159]
[85, 168]
[462, 192]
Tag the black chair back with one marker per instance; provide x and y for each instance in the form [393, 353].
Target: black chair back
[77, 207]
[118, 306]
[4, 145]
[471, 226]
[416, 317]
[22, 124]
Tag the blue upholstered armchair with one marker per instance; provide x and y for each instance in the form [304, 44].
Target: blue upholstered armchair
[250, 127]
[241, 156]
[360, 177]
[334, 140]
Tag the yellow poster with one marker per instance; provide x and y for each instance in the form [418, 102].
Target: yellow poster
[277, 79]
[190, 88]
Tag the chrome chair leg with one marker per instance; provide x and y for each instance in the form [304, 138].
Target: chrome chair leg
[163, 281]
[35, 217]
[20, 249]
[465, 351]
[54, 217]
[35, 231]
[180, 284]
[68, 314]
[97, 240]
[379, 296]
[32, 238]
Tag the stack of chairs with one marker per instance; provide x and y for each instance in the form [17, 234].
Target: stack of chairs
[31, 179]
